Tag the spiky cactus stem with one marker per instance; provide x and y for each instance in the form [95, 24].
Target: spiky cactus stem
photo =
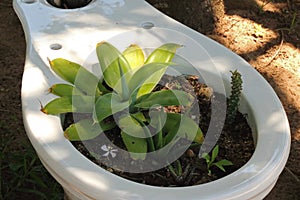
[234, 99]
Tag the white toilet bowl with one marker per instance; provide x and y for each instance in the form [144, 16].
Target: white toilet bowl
[73, 33]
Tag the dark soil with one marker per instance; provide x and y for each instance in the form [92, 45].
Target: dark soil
[235, 142]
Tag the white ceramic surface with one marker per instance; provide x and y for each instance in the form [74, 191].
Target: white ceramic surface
[123, 22]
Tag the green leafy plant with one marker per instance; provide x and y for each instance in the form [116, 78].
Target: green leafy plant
[24, 174]
[211, 160]
[180, 175]
[125, 92]
[234, 99]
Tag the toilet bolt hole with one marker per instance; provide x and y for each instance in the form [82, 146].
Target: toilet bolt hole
[147, 25]
[55, 46]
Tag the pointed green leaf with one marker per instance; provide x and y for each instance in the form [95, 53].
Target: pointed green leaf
[76, 74]
[80, 104]
[62, 89]
[163, 54]
[135, 56]
[206, 156]
[140, 116]
[214, 153]
[158, 138]
[171, 129]
[111, 60]
[107, 105]
[124, 86]
[136, 146]
[220, 164]
[129, 125]
[182, 126]
[164, 98]
[104, 89]
[148, 75]
[86, 129]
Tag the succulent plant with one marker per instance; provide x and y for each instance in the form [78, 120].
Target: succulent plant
[125, 92]
[234, 98]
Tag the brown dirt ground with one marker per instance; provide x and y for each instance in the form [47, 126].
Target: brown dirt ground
[265, 33]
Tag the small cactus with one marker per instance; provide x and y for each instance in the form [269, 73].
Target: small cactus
[233, 101]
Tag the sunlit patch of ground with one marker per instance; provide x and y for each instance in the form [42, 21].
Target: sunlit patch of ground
[289, 58]
[244, 35]
[268, 5]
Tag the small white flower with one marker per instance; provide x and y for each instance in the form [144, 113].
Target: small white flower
[109, 151]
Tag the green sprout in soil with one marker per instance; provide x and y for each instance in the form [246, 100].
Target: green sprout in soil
[125, 92]
[211, 160]
[180, 175]
[234, 99]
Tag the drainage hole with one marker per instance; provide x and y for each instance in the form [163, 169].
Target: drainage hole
[55, 46]
[69, 4]
[147, 25]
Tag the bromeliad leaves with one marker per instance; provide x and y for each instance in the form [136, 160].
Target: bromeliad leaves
[77, 75]
[116, 69]
[164, 55]
[108, 105]
[86, 129]
[135, 56]
[164, 98]
[65, 104]
[126, 89]
[125, 76]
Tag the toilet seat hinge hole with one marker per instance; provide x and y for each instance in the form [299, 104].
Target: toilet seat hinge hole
[55, 46]
[147, 25]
